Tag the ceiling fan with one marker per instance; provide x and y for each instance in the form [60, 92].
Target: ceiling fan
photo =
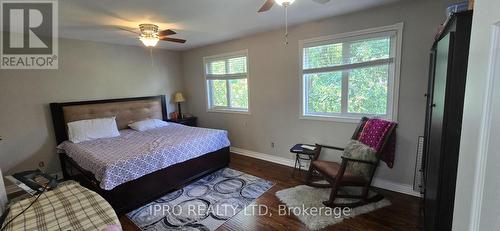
[285, 3]
[150, 34]
[269, 3]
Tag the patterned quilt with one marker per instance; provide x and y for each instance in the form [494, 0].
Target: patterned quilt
[67, 207]
[133, 154]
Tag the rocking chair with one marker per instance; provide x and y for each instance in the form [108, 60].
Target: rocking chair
[339, 175]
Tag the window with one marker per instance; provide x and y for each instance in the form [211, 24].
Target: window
[227, 82]
[352, 75]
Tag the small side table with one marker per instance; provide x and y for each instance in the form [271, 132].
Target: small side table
[301, 154]
[188, 121]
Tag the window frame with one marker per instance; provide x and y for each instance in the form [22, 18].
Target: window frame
[396, 31]
[208, 93]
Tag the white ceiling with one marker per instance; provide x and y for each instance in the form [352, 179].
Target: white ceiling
[201, 22]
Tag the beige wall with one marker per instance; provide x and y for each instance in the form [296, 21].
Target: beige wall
[274, 84]
[87, 71]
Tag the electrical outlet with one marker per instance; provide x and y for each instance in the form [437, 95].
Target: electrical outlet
[42, 166]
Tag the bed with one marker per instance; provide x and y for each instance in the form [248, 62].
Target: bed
[136, 167]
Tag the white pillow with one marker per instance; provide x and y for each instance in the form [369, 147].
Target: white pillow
[83, 130]
[145, 125]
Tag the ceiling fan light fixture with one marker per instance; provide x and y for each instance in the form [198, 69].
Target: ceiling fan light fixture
[284, 2]
[149, 34]
[149, 40]
[148, 29]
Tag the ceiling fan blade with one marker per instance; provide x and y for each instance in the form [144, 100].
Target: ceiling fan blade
[101, 27]
[175, 40]
[166, 32]
[321, 1]
[129, 30]
[266, 6]
[94, 10]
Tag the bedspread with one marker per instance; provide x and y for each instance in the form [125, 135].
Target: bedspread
[133, 154]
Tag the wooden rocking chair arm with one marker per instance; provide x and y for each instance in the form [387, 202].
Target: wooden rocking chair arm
[360, 161]
[330, 147]
[319, 147]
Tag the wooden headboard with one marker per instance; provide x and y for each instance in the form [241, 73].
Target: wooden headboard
[127, 110]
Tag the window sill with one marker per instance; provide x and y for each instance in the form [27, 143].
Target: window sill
[230, 111]
[340, 119]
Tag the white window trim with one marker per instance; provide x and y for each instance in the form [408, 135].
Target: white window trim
[394, 81]
[228, 55]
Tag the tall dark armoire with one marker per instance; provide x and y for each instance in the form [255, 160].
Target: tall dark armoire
[445, 101]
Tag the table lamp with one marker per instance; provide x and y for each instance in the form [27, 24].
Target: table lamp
[179, 98]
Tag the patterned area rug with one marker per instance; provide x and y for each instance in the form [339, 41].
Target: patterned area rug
[203, 205]
[305, 203]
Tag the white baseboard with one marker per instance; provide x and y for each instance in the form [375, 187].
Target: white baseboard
[379, 183]
[395, 187]
[262, 156]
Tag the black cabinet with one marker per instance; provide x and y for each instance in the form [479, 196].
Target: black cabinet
[445, 100]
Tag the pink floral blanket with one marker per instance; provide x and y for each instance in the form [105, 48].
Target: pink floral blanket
[373, 134]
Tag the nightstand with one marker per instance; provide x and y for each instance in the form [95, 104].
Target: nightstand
[188, 121]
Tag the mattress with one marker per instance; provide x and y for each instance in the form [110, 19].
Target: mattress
[133, 154]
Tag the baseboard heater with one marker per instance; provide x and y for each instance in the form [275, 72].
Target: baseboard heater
[419, 174]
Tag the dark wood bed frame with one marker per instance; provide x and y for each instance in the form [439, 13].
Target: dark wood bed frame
[134, 194]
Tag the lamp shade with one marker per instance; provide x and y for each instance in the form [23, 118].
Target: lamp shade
[179, 97]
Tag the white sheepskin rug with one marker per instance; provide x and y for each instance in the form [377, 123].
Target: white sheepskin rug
[306, 203]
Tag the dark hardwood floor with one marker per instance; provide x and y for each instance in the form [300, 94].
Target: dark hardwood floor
[403, 214]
